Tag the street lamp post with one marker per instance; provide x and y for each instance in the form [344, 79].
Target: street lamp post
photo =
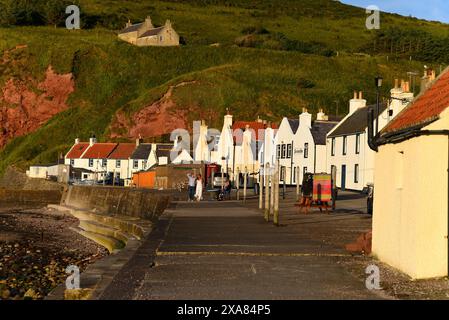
[378, 81]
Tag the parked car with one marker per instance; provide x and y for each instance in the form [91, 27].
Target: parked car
[370, 199]
[217, 181]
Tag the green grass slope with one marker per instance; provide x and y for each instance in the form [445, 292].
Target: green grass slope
[294, 54]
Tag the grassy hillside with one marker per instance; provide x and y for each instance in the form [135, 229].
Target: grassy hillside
[275, 57]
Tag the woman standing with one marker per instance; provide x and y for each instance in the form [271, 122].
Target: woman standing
[199, 188]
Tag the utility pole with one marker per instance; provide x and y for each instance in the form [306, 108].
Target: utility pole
[267, 193]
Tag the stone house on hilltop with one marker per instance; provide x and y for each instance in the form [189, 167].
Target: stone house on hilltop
[145, 34]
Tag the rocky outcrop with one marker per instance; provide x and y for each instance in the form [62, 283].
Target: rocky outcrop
[154, 120]
[26, 106]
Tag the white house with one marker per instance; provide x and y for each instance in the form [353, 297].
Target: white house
[121, 160]
[411, 198]
[347, 143]
[43, 171]
[301, 145]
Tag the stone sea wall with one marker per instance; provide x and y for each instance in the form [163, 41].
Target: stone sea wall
[139, 203]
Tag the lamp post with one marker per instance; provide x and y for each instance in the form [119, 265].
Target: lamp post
[378, 81]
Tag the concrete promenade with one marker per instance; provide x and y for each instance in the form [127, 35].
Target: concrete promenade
[225, 250]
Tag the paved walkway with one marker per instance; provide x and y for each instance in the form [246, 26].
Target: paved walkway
[224, 250]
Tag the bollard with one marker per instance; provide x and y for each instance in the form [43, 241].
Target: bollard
[284, 190]
[237, 181]
[245, 182]
[273, 189]
[260, 191]
[267, 193]
[298, 175]
[276, 196]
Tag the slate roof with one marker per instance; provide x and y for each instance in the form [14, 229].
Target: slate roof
[356, 122]
[142, 152]
[99, 151]
[132, 28]
[152, 32]
[123, 151]
[294, 124]
[425, 109]
[163, 150]
[77, 150]
[320, 129]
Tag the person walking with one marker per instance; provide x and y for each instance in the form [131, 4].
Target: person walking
[192, 182]
[199, 188]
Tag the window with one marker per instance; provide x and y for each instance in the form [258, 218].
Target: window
[278, 150]
[144, 163]
[118, 163]
[356, 173]
[160, 38]
[91, 163]
[136, 164]
[357, 143]
[284, 151]
[333, 147]
[345, 140]
[289, 150]
[72, 162]
[304, 171]
[306, 150]
[104, 162]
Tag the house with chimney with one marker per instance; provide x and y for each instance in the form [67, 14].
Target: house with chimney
[301, 145]
[146, 34]
[236, 148]
[102, 161]
[347, 143]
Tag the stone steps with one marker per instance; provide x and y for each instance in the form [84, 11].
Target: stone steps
[111, 232]
[112, 244]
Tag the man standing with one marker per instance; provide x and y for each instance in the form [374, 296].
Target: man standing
[192, 180]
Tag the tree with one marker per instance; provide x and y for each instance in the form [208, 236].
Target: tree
[54, 12]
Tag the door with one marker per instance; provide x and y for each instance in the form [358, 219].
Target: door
[343, 177]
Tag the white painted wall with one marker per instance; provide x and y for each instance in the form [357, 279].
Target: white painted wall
[411, 204]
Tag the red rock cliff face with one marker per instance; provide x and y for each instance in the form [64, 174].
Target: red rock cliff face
[156, 119]
[23, 110]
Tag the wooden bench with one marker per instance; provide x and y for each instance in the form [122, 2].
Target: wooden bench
[307, 202]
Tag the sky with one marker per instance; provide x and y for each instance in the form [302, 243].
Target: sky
[425, 9]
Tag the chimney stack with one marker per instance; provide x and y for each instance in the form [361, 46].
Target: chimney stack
[77, 141]
[92, 140]
[357, 102]
[426, 80]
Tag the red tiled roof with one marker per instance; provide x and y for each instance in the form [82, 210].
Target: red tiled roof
[123, 151]
[99, 151]
[426, 107]
[77, 150]
[256, 126]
